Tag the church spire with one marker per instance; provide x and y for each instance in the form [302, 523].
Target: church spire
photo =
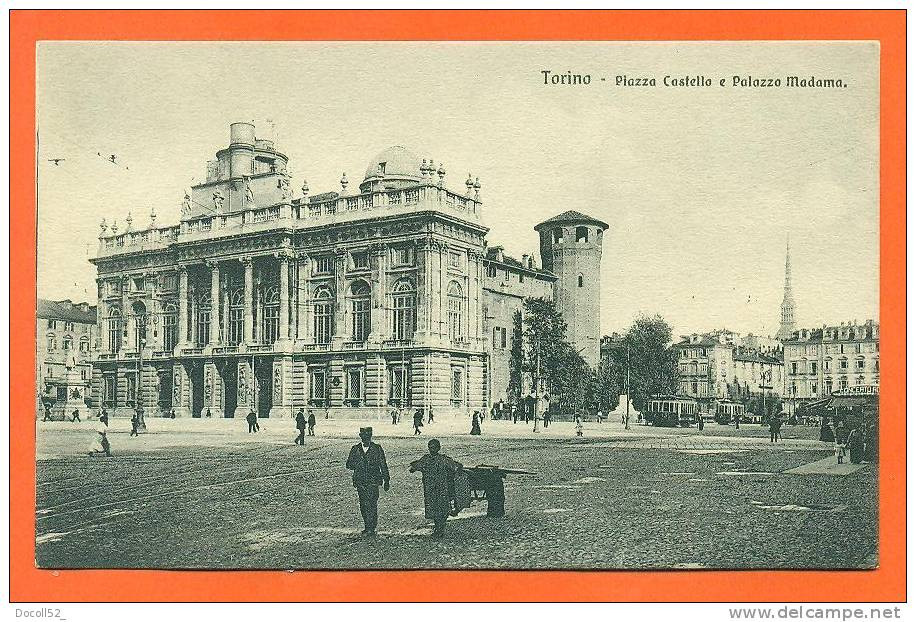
[787, 309]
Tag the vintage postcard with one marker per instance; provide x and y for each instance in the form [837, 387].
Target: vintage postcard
[465, 305]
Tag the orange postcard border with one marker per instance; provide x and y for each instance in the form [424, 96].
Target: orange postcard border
[887, 583]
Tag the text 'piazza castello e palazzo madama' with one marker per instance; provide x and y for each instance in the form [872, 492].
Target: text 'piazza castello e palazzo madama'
[352, 301]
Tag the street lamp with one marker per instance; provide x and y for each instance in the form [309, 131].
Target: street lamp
[143, 321]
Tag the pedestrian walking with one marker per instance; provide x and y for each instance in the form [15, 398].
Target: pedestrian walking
[600, 416]
[47, 415]
[438, 472]
[475, 424]
[417, 421]
[252, 420]
[514, 413]
[394, 416]
[700, 422]
[841, 435]
[370, 470]
[546, 419]
[775, 424]
[100, 444]
[578, 425]
[300, 425]
[135, 424]
[737, 422]
[75, 416]
[430, 415]
[311, 422]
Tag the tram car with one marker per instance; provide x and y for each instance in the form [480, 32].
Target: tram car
[727, 411]
[672, 411]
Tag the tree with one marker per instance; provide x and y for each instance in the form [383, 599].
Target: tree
[652, 363]
[546, 354]
[606, 387]
[516, 360]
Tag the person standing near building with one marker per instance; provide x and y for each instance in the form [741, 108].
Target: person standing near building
[438, 472]
[547, 418]
[578, 424]
[135, 424]
[514, 409]
[311, 422]
[775, 423]
[76, 416]
[475, 424]
[417, 421]
[300, 425]
[370, 470]
[430, 413]
[252, 420]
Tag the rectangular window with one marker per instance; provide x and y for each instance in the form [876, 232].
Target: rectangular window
[860, 364]
[169, 331]
[50, 373]
[168, 282]
[794, 368]
[403, 256]
[354, 386]
[828, 386]
[109, 391]
[813, 367]
[581, 234]
[52, 324]
[131, 395]
[318, 388]
[491, 271]
[813, 389]
[360, 260]
[394, 198]
[324, 316]
[844, 364]
[454, 260]
[236, 324]
[68, 326]
[361, 319]
[324, 265]
[399, 385]
[457, 386]
[137, 283]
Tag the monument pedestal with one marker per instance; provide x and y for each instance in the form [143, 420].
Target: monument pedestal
[75, 402]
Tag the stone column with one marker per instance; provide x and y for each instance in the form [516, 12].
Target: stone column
[283, 259]
[340, 299]
[181, 391]
[214, 302]
[304, 308]
[248, 263]
[380, 313]
[437, 323]
[423, 298]
[245, 388]
[182, 306]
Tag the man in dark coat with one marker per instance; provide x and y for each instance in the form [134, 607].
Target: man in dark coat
[311, 423]
[252, 420]
[367, 461]
[438, 485]
[300, 425]
[775, 424]
[417, 421]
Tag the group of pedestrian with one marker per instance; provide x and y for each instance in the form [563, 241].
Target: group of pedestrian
[303, 423]
[370, 472]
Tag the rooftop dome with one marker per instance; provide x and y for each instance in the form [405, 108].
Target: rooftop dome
[396, 163]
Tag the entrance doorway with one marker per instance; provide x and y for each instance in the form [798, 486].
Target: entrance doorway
[196, 378]
[229, 374]
[165, 390]
[263, 369]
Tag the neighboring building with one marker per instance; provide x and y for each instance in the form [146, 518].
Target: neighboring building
[349, 301]
[716, 366]
[787, 309]
[571, 249]
[66, 334]
[822, 361]
[507, 283]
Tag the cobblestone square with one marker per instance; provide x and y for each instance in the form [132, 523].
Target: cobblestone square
[205, 494]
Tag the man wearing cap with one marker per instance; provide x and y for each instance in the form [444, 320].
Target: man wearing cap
[367, 461]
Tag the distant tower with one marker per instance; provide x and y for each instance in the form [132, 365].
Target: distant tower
[571, 249]
[787, 310]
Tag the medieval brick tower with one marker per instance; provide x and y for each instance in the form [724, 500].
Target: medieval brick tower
[571, 249]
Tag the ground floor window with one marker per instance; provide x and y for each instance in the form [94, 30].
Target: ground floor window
[399, 385]
[318, 387]
[354, 386]
[109, 392]
[457, 386]
[131, 393]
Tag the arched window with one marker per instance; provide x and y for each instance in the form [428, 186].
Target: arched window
[169, 327]
[202, 321]
[84, 344]
[324, 315]
[52, 342]
[360, 302]
[404, 306]
[270, 319]
[68, 343]
[455, 306]
[236, 316]
[581, 234]
[114, 330]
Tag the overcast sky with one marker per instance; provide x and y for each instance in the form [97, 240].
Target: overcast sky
[700, 186]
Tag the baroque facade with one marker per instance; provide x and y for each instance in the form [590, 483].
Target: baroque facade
[349, 301]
